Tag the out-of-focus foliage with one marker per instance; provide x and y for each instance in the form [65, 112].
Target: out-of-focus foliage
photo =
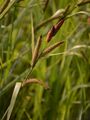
[66, 70]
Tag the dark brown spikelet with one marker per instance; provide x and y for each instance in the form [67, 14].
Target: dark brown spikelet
[49, 49]
[52, 32]
[58, 25]
[36, 51]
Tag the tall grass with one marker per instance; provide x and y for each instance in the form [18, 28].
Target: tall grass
[48, 77]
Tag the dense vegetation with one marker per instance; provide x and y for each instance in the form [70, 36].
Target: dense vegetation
[45, 60]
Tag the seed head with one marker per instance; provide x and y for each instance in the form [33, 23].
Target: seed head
[52, 32]
[49, 49]
[36, 51]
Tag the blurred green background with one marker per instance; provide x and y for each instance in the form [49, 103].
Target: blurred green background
[66, 70]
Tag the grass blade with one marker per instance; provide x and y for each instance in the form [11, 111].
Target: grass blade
[13, 99]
